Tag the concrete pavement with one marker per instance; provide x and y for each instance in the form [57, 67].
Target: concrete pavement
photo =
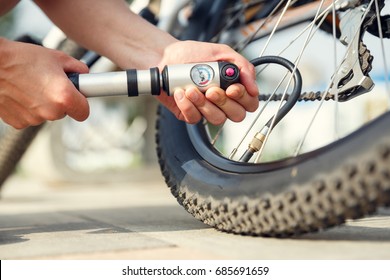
[140, 219]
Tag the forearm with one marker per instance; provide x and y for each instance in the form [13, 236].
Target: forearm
[109, 28]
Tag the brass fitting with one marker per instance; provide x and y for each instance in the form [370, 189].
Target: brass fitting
[257, 142]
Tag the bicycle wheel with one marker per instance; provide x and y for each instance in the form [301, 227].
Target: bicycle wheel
[294, 186]
[13, 142]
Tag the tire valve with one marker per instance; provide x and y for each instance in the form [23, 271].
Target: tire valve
[255, 145]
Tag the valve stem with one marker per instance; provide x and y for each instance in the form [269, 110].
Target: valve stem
[255, 145]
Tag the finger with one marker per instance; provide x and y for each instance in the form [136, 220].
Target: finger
[188, 112]
[75, 104]
[247, 70]
[233, 110]
[70, 102]
[238, 93]
[248, 78]
[170, 103]
[211, 112]
[79, 110]
[70, 64]
[17, 116]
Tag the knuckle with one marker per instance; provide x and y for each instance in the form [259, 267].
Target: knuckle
[189, 115]
[226, 48]
[18, 126]
[236, 92]
[192, 118]
[64, 97]
[221, 102]
[239, 117]
[60, 55]
[252, 70]
[35, 120]
[218, 119]
[193, 121]
[218, 97]
[253, 106]
[45, 113]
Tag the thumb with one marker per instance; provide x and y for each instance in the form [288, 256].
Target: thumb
[78, 107]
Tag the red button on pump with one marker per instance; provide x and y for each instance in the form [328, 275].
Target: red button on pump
[230, 72]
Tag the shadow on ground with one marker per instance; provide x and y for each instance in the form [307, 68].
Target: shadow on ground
[15, 228]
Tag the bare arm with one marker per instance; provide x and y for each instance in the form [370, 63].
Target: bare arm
[111, 29]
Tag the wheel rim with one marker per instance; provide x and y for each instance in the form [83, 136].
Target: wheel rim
[205, 143]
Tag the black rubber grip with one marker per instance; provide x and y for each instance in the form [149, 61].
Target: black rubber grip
[132, 84]
[155, 81]
[165, 79]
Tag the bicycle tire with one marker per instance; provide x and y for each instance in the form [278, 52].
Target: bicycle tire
[298, 195]
[347, 179]
[14, 143]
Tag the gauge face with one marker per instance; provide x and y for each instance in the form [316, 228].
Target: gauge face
[202, 74]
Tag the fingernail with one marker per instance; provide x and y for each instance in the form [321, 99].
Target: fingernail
[178, 94]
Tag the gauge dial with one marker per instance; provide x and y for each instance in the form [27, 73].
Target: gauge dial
[202, 74]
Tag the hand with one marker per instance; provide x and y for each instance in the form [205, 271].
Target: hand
[215, 105]
[34, 87]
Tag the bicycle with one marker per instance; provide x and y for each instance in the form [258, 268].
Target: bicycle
[248, 189]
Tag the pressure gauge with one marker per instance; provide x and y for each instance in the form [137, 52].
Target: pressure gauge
[202, 75]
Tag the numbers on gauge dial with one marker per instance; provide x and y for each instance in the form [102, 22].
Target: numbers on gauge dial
[202, 74]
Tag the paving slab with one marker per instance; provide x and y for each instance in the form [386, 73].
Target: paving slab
[140, 219]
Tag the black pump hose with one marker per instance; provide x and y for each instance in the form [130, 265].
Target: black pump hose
[296, 92]
[293, 98]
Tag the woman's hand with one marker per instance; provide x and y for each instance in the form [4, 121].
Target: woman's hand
[215, 105]
[34, 86]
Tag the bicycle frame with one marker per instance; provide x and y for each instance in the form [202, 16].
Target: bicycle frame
[262, 27]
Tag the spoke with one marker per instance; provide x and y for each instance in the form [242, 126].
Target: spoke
[312, 30]
[238, 11]
[336, 106]
[300, 145]
[233, 153]
[275, 27]
[309, 36]
[323, 16]
[240, 46]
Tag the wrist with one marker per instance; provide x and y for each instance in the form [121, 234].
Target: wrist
[146, 53]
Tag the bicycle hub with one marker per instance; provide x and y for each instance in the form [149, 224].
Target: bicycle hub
[134, 82]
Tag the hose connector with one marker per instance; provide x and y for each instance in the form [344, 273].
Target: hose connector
[258, 140]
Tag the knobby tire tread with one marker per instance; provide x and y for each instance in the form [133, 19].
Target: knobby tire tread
[353, 190]
[12, 147]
